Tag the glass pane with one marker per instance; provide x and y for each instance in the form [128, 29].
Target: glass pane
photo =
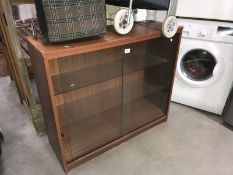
[147, 75]
[90, 108]
[198, 65]
[83, 70]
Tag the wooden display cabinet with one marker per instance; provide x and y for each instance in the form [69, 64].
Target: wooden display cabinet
[100, 92]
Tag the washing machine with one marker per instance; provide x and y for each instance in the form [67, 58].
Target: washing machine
[204, 72]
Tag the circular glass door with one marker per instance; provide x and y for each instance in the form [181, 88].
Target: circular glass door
[198, 65]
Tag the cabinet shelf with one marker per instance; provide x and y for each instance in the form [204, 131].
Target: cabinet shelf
[139, 62]
[75, 79]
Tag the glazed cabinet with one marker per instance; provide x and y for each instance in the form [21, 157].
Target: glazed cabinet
[99, 92]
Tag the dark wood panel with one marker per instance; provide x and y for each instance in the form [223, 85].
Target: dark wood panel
[172, 71]
[45, 99]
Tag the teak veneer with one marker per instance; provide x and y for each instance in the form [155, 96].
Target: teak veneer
[99, 92]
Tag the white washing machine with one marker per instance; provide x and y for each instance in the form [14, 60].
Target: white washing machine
[204, 72]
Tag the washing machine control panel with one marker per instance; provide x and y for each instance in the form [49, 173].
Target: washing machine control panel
[207, 30]
[198, 31]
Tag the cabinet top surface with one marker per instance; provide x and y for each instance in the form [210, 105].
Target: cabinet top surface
[140, 32]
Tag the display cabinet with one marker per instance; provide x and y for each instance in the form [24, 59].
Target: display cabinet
[99, 92]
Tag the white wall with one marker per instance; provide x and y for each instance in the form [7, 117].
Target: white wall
[209, 9]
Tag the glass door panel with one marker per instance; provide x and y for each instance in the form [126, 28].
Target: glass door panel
[86, 69]
[147, 73]
[91, 110]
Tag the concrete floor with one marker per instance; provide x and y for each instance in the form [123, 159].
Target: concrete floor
[191, 142]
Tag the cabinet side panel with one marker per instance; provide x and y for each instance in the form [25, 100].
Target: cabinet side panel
[175, 48]
[45, 99]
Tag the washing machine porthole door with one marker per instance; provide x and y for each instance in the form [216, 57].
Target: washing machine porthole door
[198, 65]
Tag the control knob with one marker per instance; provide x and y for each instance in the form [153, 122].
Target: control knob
[203, 34]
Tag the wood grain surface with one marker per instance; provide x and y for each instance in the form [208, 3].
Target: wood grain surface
[96, 96]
